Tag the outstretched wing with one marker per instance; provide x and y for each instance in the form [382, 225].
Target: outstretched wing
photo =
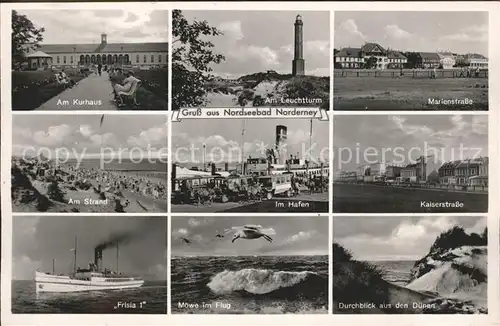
[269, 231]
[253, 227]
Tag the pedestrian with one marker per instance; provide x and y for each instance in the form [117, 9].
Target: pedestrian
[99, 68]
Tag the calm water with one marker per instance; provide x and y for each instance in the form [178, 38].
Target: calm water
[396, 272]
[153, 293]
[279, 284]
[155, 165]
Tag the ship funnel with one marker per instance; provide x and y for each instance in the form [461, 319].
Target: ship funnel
[281, 136]
[98, 258]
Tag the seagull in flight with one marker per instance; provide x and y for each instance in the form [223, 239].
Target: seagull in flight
[186, 240]
[251, 232]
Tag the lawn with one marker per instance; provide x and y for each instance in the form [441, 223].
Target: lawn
[30, 89]
[407, 93]
[153, 93]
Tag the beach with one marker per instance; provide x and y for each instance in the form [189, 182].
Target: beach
[86, 187]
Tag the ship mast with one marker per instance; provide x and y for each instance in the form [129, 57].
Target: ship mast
[243, 148]
[74, 263]
[310, 136]
[117, 255]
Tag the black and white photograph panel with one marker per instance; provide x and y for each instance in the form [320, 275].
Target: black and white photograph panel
[390, 60]
[89, 264]
[250, 165]
[410, 164]
[224, 58]
[410, 265]
[90, 59]
[249, 265]
[89, 163]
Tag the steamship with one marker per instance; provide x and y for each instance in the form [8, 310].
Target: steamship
[275, 162]
[82, 280]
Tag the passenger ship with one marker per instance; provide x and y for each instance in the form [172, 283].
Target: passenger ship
[91, 279]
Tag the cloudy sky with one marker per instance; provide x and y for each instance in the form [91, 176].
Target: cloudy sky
[86, 26]
[396, 237]
[459, 32]
[364, 138]
[83, 134]
[37, 240]
[223, 138]
[256, 41]
[293, 236]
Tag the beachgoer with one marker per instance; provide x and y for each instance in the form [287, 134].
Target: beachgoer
[66, 79]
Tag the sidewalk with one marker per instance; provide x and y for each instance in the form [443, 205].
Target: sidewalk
[91, 93]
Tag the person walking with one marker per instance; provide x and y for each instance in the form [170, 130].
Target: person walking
[99, 69]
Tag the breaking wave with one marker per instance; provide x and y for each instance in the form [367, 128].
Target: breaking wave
[267, 282]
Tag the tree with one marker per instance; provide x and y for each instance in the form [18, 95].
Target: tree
[25, 37]
[370, 63]
[191, 60]
[413, 60]
[54, 192]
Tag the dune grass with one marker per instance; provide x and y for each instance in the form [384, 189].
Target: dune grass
[356, 281]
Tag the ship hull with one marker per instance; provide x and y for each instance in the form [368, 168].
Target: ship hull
[62, 283]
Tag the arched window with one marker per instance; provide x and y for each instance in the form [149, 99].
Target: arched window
[82, 59]
[92, 59]
[126, 59]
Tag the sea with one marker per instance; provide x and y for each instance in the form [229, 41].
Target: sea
[149, 165]
[250, 285]
[151, 298]
[396, 272]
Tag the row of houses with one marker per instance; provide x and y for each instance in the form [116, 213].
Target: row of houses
[459, 172]
[373, 55]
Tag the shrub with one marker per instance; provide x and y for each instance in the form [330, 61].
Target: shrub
[54, 192]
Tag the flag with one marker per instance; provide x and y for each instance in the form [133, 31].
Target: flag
[102, 120]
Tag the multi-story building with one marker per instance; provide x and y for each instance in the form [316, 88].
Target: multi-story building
[447, 59]
[475, 60]
[374, 50]
[378, 170]
[396, 60]
[409, 172]
[350, 58]
[362, 171]
[447, 173]
[116, 54]
[393, 172]
[414, 172]
[429, 60]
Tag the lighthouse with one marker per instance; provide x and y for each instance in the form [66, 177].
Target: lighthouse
[298, 63]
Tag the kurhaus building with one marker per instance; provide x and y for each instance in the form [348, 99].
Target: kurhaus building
[116, 54]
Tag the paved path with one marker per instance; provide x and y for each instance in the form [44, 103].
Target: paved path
[91, 93]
